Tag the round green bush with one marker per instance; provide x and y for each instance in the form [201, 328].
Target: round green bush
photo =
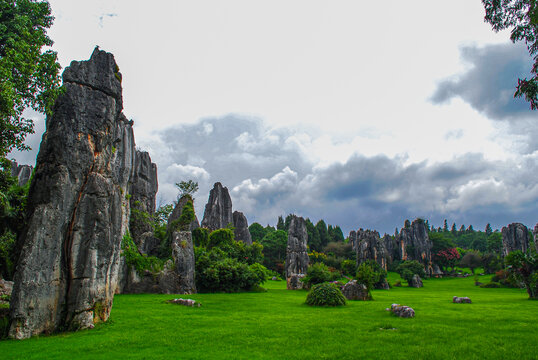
[325, 294]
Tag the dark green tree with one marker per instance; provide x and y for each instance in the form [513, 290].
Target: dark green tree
[280, 224]
[314, 241]
[29, 77]
[188, 187]
[522, 17]
[323, 233]
[257, 232]
[524, 268]
[445, 226]
[488, 229]
[274, 249]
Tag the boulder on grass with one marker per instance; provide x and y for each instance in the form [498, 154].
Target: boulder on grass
[461, 300]
[416, 281]
[355, 291]
[402, 311]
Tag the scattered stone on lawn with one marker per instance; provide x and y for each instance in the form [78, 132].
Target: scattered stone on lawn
[185, 302]
[355, 291]
[401, 311]
[416, 281]
[461, 300]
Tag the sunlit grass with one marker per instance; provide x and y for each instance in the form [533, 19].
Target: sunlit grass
[500, 324]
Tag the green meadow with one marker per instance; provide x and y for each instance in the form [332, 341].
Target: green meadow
[499, 324]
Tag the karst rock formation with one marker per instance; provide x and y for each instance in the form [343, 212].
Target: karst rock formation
[515, 237]
[176, 213]
[21, 172]
[77, 206]
[368, 246]
[296, 253]
[143, 189]
[415, 244]
[218, 210]
[241, 232]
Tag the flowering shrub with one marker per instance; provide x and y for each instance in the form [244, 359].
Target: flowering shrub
[447, 257]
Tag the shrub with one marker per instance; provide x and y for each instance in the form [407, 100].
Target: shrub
[349, 267]
[366, 276]
[491, 285]
[398, 283]
[325, 294]
[141, 262]
[200, 237]
[408, 269]
[221, 238]
[317, 273]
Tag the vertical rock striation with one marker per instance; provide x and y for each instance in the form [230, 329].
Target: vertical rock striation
[78, 212]
[176, 214]
[515, 237]
[21, 172]
[296, 254]
[241, 232]
[218, 210]
[369, 247]
[415, 244]
[143, 189]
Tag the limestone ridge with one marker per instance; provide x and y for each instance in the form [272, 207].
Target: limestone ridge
[241, 232]
[296, 253]
[368, 246]
[67, 272]
[218, 210]
[535, 234]
[143, 189]
[415, 244]
[515, 237]
[21, 172]
[176, 214]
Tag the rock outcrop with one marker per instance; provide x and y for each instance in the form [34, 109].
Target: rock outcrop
[369, 247]
[143, 190]
[414, 244]
[296, 253]
[21, 172]
[6, 287]
[535, 234]
[416, 282]
[177, 277]
[391, 247]
[241, 232]
[218, 210]
[176, 214]
[352, 290]
[402, 311]
[461, 300]
[78, 211]
[515, 237]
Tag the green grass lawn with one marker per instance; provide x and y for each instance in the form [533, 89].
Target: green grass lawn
[500, 324]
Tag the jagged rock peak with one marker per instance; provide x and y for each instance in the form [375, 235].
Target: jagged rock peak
[21, 172]
[241, 232]
[100, 73]
[515, 237]
[78, 210]
[296, 253]
[415, 244]
[369, 247]
[218, 210]
[176, 214]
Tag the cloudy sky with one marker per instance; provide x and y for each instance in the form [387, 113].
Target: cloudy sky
[363, 115]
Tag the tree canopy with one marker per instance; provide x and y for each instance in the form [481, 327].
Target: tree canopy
[522, 17]
[29, 77]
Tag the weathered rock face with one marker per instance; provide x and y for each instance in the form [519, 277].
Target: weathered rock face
[515, 237]
[22, 172]
[6, 287]
[177, 277]
[143, 189]
[535, 234]
[241, 232]
[218, 210]
[416, 282]
[183, 255]
[370, 247]
[415, 244]
[78, 212]
[391, 247]
[296, 253]
[176, 214]
[352, 290]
